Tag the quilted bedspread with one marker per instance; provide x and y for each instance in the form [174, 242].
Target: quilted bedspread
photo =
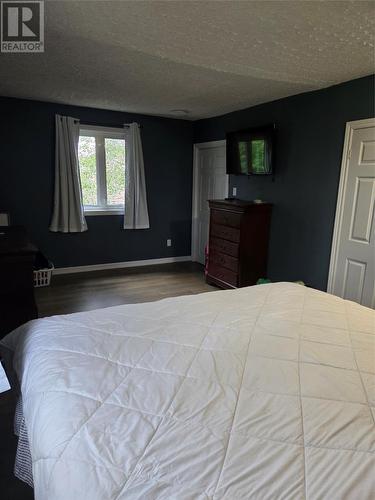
[265, 392]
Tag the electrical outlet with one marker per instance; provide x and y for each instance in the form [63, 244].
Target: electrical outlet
[234, 191]
[169, 243]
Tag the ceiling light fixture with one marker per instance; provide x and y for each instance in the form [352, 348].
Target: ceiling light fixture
[180, 112]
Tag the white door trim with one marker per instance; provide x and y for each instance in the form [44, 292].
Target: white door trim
[350, 127]
[194, 228]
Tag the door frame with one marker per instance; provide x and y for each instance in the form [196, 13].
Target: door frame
[199, 146]
[346, 156]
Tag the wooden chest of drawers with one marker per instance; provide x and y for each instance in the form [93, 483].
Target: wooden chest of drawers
[238, 242]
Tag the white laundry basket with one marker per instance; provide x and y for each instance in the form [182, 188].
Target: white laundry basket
[42, 277]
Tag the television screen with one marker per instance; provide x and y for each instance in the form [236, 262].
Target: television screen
[250, 152]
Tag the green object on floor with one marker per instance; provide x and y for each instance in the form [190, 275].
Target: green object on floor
[263, 281]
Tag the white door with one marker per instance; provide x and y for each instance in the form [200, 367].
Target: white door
[353, 266]
[210, 182]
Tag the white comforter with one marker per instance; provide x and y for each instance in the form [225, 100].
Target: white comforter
[266, 392]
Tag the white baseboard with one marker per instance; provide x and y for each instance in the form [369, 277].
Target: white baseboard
[120, 265]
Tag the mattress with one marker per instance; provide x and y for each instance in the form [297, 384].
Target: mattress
[265, 392]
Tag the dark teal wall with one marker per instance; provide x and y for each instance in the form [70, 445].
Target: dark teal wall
[310, 130]
[26, 184]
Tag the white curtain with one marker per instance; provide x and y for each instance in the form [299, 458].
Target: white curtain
[136, 212]
[67, 214]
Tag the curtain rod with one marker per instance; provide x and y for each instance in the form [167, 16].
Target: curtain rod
[128, 124]
[96, 124]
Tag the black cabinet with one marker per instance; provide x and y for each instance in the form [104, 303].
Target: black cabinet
[17, 301]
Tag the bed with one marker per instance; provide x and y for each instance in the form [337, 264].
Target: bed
[265, 392]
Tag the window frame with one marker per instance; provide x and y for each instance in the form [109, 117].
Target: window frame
[100, 134]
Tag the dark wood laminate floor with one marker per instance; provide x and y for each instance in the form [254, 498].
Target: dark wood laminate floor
[83, 292]
[86, 291]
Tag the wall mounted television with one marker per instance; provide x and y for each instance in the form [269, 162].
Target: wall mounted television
[251, 151]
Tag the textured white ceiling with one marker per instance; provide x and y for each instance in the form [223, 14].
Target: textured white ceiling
[208, 57]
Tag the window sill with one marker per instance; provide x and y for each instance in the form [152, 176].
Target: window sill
[104, 211]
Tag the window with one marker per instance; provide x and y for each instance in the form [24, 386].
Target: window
[101, 154]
